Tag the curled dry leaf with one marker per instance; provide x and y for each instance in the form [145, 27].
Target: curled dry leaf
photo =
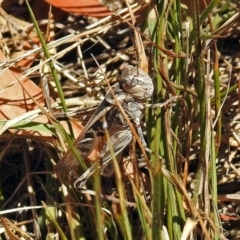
[14, 101]
[90, 8]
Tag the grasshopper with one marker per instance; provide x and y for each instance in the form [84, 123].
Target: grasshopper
[133, 89]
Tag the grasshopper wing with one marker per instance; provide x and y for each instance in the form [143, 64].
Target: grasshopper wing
[117, 142]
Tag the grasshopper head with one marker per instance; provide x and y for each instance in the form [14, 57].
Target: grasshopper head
[137, 83]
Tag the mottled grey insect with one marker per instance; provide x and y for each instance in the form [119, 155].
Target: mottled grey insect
[134, 88]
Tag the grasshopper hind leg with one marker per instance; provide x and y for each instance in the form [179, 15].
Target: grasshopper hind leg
[112, 148]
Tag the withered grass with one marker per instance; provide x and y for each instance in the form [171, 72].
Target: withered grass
[188, 188]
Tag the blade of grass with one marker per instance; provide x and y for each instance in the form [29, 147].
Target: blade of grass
[98, 210]
[51, 65]
[123, 215]
[201, 98]
[143, 211]
[201, 176]
[52, 219]
[154, 125]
